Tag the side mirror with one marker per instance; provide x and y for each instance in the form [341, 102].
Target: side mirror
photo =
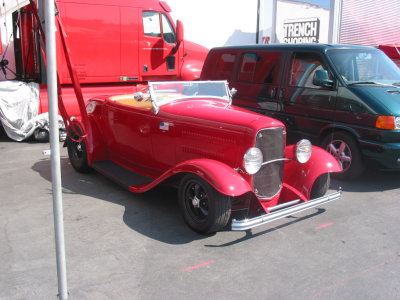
[321, 78]
[179, 32]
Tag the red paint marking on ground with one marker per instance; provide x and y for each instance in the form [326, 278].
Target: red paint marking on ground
[199, 266]
[323, 226]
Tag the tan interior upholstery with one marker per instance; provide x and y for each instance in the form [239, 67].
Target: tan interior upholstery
[130, 100]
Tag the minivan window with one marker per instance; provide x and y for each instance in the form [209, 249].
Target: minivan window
[364, 66]
[268, 67]
[303, 68]
[262, 67]
[222, 66]
[247, 67]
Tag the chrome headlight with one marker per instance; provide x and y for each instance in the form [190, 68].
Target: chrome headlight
[90, 107]
[303, 151]
[252, 160]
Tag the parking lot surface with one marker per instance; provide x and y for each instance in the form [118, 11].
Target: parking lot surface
[121, 245]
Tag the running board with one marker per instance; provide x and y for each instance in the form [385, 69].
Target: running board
[282, 213]
[122, 176]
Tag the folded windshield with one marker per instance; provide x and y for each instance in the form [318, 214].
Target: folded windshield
[360, 66]
[165, 92]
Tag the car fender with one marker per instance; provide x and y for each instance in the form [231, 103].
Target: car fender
[302, 176]
[223, 178]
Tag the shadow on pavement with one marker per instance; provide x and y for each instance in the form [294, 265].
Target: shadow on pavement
[370, 181]
[249, 234]
[154, 214]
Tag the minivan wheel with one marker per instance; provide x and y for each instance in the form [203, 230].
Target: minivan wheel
[345, 149]
[204, 209]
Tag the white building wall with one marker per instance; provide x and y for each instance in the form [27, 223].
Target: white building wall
[213, 23]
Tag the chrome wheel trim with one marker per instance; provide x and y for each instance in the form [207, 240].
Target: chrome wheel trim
[197, 201]
[341, 151]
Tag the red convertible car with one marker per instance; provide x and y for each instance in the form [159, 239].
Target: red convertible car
[231, 166]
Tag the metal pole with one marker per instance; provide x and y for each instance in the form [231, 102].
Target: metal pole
[273, 29]
[258, 22]
[55, 149]
[335, 19]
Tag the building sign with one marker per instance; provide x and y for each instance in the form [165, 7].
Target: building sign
[301, 31]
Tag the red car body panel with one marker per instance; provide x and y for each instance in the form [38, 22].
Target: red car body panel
[222, 177]
[205, 137]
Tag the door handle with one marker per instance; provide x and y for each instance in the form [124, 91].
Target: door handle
[273, 93]
[281, 94]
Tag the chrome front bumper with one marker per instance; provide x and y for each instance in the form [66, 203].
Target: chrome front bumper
[282, 211]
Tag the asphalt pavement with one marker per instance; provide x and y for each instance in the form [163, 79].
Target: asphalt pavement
[121, 245]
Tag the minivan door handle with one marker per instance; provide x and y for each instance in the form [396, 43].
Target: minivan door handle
[273, 93]
[281, 94]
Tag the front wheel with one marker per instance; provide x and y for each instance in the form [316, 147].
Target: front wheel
[204, 209]
[345, 149]
[320, 186]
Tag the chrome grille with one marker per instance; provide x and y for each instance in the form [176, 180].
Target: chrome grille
[268, 181]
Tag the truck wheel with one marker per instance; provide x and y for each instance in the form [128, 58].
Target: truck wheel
[320, 186]
[78, 156]
[345, 149]
[204, 209]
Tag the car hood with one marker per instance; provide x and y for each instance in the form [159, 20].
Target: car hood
[218, 111]
[384, 100]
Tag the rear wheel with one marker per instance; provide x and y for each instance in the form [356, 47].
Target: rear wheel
[345, 149]
[78, 155]
[204, 209]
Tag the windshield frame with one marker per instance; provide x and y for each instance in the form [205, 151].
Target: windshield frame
[157, 102]
[378, 58]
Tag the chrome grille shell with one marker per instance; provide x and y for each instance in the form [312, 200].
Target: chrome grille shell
[267, 182]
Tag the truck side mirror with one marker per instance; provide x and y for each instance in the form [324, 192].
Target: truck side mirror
[179, 32]
[321, 78]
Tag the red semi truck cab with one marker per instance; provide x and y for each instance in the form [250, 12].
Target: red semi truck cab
[116, 47]
[392, 51]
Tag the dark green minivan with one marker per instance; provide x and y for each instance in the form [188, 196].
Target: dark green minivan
[344, 98]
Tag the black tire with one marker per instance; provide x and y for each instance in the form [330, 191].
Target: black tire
[320, 186]
[41, 135]
[204, 209]
[345, 149]
[78, 155]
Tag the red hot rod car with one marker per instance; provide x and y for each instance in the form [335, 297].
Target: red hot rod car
[229, 164]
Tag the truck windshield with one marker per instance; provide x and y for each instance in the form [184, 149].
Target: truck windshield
[359, 66]
[165, 92]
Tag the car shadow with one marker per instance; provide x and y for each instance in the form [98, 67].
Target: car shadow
[370, 181]
[250, 235]
[154, 214]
